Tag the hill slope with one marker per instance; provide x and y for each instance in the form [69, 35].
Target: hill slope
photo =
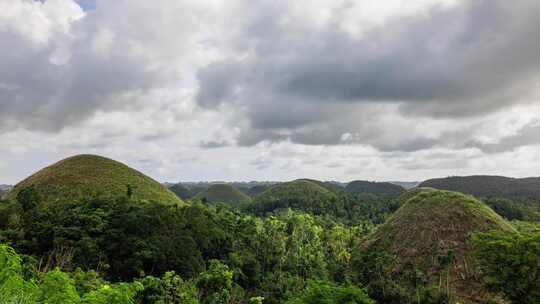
[489, 186]
[223, 193]
[435, 226]
[181, 191]
[85, 175]
[334, 187]
[377, 188]
[299, 194]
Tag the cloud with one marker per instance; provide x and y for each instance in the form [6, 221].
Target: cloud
[214, 144]
[64, 65]
[295, 79]
[527, 136]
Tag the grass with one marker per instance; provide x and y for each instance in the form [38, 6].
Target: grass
[377, 188]
[435, 226]
[298, 190]
[224, 193]
[87, 175]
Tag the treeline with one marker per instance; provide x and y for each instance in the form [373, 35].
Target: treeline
[119, 250]
[119, 239]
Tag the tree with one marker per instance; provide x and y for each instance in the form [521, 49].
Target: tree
[29, 198]
[511, 264]
[58, 288]
[13, 287]
[215, 284]
[323, 292]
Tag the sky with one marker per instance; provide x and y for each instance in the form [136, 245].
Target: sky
[189, 90]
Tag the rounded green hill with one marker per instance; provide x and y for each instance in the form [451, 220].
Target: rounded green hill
[181, 191]
[223, 193]
[407, 195]
[328, 185]
[299, 194]
[434, 226]
[376, 188]
[86, 175]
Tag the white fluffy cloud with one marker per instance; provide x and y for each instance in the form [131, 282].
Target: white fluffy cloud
[268, 90]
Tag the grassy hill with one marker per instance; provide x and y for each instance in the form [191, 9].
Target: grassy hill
[86, 175]
[223, 193]
[407, 195]
[377, 188]
[431, 231]
[303, 195]
[489, 186]
[182, 191]
[334, 187]
[254, 190]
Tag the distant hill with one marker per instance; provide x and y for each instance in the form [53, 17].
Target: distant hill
[303, 195]
[406, 185]
[87, 175]
[254, 190]
[377, 188]
[407, 195]
[182, 191]
[332, 186]
[223, 193]
[489, 186]
[435, 226]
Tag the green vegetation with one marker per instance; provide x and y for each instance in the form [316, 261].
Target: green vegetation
[318, 292]
[217, 255]
[328, 185]
[55, 286]
[511, 264]
[299, 195]
[376, 188]
[254, 190]
[512, 198]
[489, 186]
[407, 195]
[309, 196]
[89, 175]
[182, 191]
[301, 242]
[223, 193]
[426, 245]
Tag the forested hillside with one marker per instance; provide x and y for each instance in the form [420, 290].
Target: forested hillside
[223, 193]
[489, 186]
[376, 188]
[298, 242]
[513, 198]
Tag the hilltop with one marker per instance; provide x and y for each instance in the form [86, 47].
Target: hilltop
[223, 193]
[377, 188]
[489, 186]
[407, 195]
[331, 186]
[432, 231]
[85, 175]
[303, 195]
[254, 190]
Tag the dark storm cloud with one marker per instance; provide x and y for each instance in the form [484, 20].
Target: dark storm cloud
[464, 60]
